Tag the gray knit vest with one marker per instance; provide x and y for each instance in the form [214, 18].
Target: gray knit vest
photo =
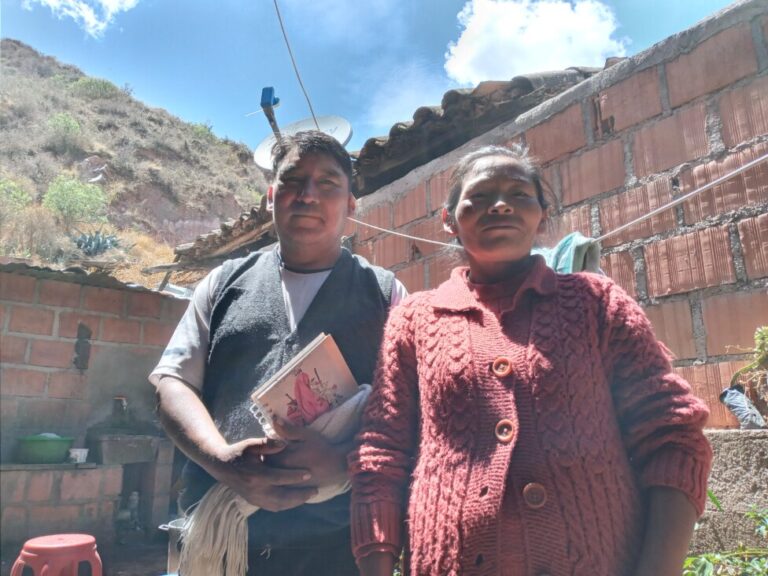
[251, 339]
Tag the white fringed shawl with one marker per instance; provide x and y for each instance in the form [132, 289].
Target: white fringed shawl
[215, 535]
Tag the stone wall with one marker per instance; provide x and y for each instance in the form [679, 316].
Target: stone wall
[739, 479]
[627, 140]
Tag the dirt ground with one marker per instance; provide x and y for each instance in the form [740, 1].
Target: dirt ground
[128, 560]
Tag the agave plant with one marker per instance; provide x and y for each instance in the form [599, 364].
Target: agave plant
[95, 243]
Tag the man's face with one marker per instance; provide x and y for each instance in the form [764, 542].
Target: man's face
[310, 199]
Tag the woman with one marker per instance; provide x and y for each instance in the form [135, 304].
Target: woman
[524, 422]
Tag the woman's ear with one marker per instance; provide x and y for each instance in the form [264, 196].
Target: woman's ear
[270, 199]
[542, 228]
[448, 223]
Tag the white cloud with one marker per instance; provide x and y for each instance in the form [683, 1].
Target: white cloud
[395, 96]
[504, 38]
[93, 16]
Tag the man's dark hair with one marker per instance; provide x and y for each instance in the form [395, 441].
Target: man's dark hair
[312, 142]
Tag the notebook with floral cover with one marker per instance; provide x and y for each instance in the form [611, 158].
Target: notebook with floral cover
[315, 381]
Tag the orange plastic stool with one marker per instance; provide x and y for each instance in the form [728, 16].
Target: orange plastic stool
[58, 555]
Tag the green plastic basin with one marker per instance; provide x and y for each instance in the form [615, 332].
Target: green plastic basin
[43, 449]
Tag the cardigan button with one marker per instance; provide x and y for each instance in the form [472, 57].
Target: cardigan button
[502, 366]
[506, 430]
[535, 495]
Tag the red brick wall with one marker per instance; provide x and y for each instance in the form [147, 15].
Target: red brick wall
[668, 121]
[41, 391]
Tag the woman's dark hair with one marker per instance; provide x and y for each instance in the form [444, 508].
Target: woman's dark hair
[312, 142]
[465, 164]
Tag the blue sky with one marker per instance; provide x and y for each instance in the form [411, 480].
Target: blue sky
[371, 61]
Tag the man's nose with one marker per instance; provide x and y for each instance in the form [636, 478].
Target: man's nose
[309, 192]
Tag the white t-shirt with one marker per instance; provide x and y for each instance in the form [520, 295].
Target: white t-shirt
[185, 355]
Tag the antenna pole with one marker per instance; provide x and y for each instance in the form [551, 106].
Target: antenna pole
[268, 103]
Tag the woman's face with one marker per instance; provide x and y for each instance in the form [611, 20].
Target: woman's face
[498, 213]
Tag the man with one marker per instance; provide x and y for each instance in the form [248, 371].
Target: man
[246, 320]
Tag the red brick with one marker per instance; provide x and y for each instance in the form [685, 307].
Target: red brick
[17, 287]
[412, 277]
[440, 267]
[627, 206]
[390, 250]
[81, 484]
[9, 409]
[380, 215]
[744, 112]
[70, 384]
[165, 451]
[68, 322]
[20, 382]
[39, 486]
[364, 249]
[438, 189]
[731, 320]
[629, 102]
[560, 134]
[673, 325]
[148, 305]
[750, 187]
[102, 300]
[157, 479]
[52, 353]
[429, 228]
[573, 220]
[716, 62]
[14, 522]
[64, 294]
[13, 349]
[707, 381]
[593, 172]
[157, 333]
[112, 483]
[621, 268]
[12, 486]
[52, 415]
[117, 330]
[350, 228]
[671, 141]
[53, 519]
[754, 245]
[174, 308]
[31, 320]
[684, 263]
[411, 207]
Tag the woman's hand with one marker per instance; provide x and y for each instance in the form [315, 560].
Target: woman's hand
[668, 532]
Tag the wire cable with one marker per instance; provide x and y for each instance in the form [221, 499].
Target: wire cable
[293, 61]
[684, 197]
[650, 214]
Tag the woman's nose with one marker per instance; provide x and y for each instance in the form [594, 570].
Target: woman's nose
[501, 207]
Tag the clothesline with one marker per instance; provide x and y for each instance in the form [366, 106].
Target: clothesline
[642, 218]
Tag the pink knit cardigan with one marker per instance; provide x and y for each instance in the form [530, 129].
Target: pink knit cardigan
[594, 417]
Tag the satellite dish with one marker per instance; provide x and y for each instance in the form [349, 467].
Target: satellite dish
[335, 126]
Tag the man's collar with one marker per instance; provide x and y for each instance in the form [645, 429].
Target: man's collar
[456, 295]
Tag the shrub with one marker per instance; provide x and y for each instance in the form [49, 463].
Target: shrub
[203, 130]
[33, 232]
[94, 88]
[75, 202]
[66, 134]
[12, 196]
